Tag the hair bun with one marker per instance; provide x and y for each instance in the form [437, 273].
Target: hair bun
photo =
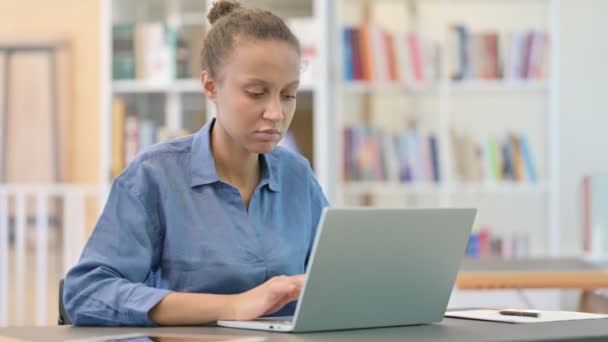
[222, 8]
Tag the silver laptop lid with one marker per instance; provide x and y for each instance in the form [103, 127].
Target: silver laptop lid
[382, 267]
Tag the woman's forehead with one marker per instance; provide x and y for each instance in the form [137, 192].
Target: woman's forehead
[264, 60]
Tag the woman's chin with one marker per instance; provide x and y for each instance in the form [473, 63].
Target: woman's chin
[261, 148]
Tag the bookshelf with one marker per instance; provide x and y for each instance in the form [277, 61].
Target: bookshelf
[141, 99]
[477, 107]
[510, 96]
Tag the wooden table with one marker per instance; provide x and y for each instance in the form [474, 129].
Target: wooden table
[539, 274]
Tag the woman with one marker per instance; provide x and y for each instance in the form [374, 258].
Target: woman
[218, 225]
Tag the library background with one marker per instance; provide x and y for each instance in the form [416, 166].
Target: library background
[493, 104]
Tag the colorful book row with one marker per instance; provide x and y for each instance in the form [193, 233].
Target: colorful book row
[483, 244]
[494, 159]
[371, 154]
[155, 52]
[514, 56]
[131, 134]
[374, 54]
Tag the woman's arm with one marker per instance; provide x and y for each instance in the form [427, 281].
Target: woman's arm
[108, 285]
[189, 309]
[198, 308]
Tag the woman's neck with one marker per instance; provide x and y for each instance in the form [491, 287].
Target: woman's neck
[234, 164]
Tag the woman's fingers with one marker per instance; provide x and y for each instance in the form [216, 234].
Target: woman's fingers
[280, 304]
[298, 280]
[284, 290]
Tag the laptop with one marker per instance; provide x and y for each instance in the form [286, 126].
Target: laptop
[376, 268]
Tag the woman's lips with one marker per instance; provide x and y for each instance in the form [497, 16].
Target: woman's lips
[269, 135]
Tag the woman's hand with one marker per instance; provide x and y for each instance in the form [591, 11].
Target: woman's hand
[265, 299]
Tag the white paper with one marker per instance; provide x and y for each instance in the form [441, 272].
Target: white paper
[544, 316]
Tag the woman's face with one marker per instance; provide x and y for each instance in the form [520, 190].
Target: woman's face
[255, 92]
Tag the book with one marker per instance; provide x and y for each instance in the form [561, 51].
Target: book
[527, 158]
[357, 63]
[365, 51]
[518, 162]
[459, 56]
[379, 55]
[393, 72]
[118, 136]
[493, 154]
[403, 59]
[348, 54]
[131, 138]
[154, 52]
[435, 158]
[308, 33]
[594, 215]
[182, 55]
[123, 59]
[416, 55]
[148, 134]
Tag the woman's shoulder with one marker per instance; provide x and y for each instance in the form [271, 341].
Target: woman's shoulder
[167, 148]
[165, 160]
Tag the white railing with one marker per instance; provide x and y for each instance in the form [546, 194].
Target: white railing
[28, 214]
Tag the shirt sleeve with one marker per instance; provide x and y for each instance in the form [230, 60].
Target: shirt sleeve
[107, 287]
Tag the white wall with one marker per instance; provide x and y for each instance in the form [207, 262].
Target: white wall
[584, 106]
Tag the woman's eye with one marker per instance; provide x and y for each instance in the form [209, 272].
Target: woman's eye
[255, 95]
[289, 97]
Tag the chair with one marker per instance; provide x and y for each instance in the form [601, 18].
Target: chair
[63, 316]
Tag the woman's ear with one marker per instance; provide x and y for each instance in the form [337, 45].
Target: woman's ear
[208, 85]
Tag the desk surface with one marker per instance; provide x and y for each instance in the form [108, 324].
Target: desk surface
[448, 330]
[533, 273]
[532, 265]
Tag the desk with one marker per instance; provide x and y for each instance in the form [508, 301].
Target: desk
[448, 330]
[535, 274]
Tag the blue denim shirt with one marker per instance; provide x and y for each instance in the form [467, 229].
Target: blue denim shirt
[171, 224]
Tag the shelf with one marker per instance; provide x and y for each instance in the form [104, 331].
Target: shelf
[386, 87]
[141, 86]
[498, 86]
[362, 187]
[379, 187]
[502, 188]
[451, 86]
[178, 86]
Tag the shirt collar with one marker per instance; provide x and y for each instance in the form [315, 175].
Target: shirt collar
[203, 165]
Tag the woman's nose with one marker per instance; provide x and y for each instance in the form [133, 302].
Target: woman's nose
[274, 110]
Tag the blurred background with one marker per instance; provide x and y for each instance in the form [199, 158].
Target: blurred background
[494, 104]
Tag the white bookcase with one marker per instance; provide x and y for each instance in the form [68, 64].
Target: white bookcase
[483, 106]
[172, 97]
